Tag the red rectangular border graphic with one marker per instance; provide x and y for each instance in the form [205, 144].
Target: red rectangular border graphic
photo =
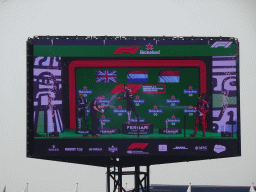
[127, 63]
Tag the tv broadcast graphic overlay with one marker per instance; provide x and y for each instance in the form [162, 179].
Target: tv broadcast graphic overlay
[98, 97]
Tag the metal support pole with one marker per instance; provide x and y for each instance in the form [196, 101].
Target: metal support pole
[117, 173]
[108, 178]
[115, 181]
[147, 186]
[120, 179]
[145, 181]
[137, 178]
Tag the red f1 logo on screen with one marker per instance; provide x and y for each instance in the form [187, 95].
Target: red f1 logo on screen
[131, 50]
[138, 145]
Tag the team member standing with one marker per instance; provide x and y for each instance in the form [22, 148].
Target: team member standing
[225, 102]
[130, 103]
[51, 124]
[82, 111]
[202, 108]
[53, 121]
[94, 109]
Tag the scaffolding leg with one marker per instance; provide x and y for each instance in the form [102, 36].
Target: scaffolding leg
[137, 178]
[117, 173]
[108, 178]
[147, 178]
[120, 179]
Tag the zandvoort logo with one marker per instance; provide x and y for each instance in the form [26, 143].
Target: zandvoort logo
[219, 148]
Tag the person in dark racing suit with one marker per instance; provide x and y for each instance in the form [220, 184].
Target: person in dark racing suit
[82, 111]
[94, 109]
[128, 95]
[202, 108]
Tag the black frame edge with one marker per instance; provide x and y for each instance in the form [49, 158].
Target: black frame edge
[29, 95]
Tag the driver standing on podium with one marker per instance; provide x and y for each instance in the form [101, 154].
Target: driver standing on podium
[130, 103]
[94, 109]
[201, 108]
[82, 111]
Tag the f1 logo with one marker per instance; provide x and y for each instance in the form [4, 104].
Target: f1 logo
[138, 145]
[224, 44]
[120, 88]
[131, 50]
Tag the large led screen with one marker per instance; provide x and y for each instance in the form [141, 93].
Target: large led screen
[173, 99]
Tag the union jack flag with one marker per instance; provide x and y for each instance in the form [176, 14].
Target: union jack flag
[105, 76]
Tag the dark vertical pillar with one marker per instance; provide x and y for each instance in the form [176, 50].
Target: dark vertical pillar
[147, 186]
[145, 181]
[108, 178]
[117, 173]
[115, 181]
[120, 179]
[137, 178]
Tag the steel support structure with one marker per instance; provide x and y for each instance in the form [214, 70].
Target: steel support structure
[116, 172]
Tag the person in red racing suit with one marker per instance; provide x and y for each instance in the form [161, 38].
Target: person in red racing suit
[202, 108]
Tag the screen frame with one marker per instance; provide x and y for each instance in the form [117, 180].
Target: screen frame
[133, 160]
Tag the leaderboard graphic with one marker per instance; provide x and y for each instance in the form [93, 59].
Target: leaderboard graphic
[120, 96]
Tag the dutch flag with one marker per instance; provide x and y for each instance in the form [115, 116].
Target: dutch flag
[137, 76]
[169, 76]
